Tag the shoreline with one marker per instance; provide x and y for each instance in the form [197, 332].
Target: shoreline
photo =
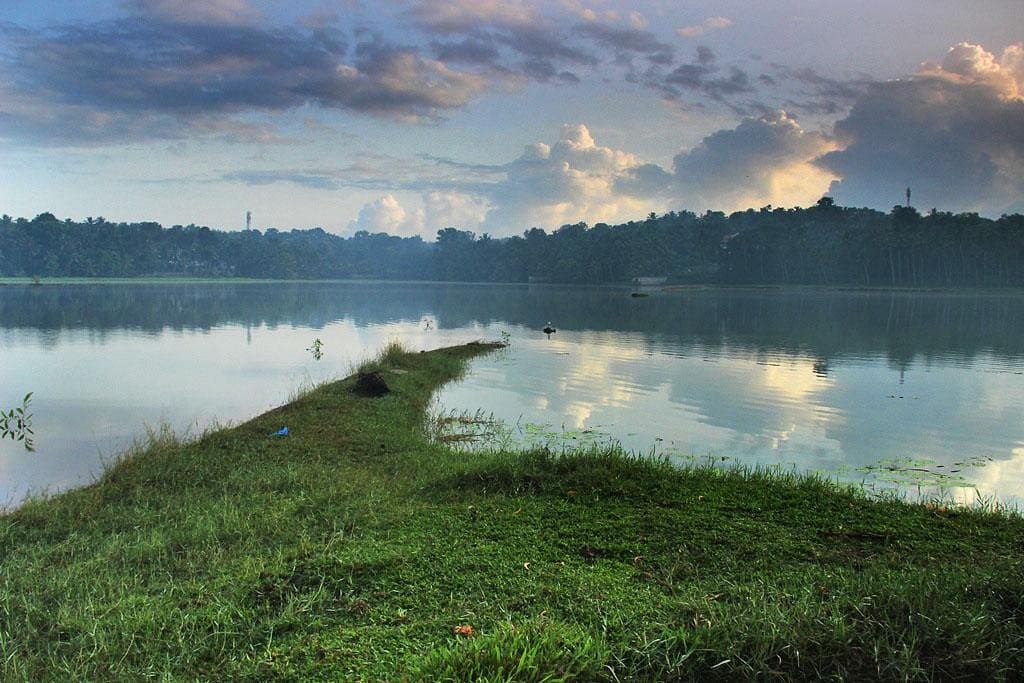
[357, 546]
[615, 286]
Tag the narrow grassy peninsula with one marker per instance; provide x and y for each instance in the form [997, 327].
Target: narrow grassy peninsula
[356, 548]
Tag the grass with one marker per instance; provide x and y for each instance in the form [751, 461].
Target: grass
[358, 548]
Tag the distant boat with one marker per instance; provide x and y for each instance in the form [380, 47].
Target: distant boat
[649, 281]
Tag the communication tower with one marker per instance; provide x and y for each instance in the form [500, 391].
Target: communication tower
[248, 218]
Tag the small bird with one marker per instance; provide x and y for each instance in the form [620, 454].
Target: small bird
[548, 330]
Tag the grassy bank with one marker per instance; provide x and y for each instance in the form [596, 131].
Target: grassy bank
[356, 548]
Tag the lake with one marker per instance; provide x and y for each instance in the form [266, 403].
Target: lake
[919, 391]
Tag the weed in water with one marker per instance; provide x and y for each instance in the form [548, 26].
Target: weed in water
[317, 349]
[16, 423]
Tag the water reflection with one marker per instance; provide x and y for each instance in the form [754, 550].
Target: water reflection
[832, 381]
[818, 324]
[770, 410]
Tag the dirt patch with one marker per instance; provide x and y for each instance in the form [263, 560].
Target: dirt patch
[370, 385]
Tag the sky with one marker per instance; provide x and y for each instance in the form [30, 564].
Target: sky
[408, 116]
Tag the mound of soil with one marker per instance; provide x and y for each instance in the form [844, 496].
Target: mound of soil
[370, 385]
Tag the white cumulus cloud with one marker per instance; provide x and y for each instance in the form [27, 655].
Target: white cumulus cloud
[437, 210]
[572, 180]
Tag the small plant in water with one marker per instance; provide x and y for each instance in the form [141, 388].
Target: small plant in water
[317, 349]
[16, 423]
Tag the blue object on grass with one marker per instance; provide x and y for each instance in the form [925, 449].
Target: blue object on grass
[283, 431]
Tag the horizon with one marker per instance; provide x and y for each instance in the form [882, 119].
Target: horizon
[494, 117]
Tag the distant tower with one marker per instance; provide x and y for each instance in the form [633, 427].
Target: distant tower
[908, 197]
[248, 216]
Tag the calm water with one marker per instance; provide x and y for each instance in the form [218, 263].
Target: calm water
[917, 389]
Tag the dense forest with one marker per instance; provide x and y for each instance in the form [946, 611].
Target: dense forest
[823, 244]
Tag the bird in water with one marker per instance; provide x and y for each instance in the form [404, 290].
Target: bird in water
[548, 330]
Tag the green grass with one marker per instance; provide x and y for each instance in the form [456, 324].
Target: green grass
[353, 548]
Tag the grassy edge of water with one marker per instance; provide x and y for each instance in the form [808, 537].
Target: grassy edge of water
[357, 548]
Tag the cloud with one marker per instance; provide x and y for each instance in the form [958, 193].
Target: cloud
[509, 38]
[439, 210]
[766, 160]
[708, 25]
[953, 132]
[703, 76]
[387, 80]
[462, 16]
[469, 51]
[174, 69]
[316, 181]
[969, 64]
[135, 79]
[570, 181]
[452, 209]
[387, 215]
[198, 12]
[382, 173]
[624, 39]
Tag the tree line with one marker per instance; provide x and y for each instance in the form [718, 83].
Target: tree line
[823, 244]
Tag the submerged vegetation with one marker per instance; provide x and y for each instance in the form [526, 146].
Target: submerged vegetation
[361, 546]
[825, 244]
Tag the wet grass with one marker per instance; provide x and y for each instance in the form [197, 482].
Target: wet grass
[359, 547]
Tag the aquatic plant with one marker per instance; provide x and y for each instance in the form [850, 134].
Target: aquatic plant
[16, 423]
[317, 349]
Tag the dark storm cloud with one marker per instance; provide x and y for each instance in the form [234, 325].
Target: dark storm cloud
[136, 78]
[177, 68]
[958, 145]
